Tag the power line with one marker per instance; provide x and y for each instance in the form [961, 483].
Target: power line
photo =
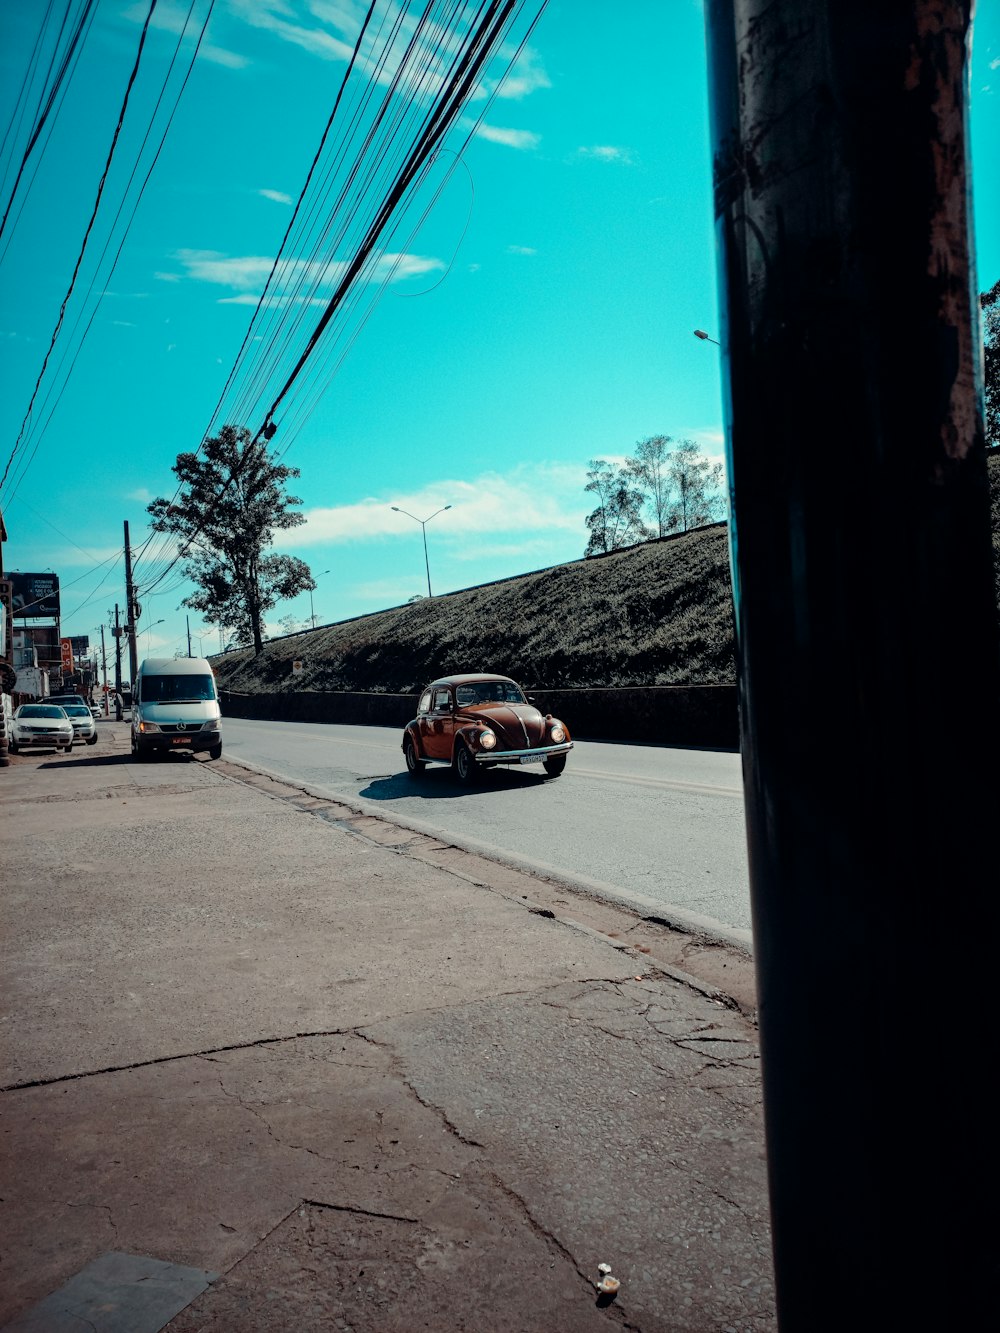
[86, 237]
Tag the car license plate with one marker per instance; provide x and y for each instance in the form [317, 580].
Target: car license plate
[181, 740]
[529, 759]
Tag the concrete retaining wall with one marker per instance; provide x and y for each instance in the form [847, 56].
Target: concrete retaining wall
[696, 715]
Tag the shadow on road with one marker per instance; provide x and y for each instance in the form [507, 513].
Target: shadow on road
[120, 757]
[439, 784]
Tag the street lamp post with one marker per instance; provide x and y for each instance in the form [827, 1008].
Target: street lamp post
[706, 338]
[312, 613]
[423, 524]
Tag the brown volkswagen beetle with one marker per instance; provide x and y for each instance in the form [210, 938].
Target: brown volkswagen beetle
[478, 721]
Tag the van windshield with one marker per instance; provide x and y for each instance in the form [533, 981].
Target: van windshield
[177, 689]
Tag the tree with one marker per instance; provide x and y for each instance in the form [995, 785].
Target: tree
[617, 520]
[231, 499]
[650, 469]
[990, 302]
[697, 487]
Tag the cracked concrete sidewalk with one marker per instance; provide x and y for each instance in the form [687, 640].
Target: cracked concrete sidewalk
[371, 1091]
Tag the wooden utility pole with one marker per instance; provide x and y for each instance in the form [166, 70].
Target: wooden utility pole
[867, 645]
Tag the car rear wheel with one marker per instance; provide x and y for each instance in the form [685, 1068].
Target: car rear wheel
[465, 765]
[415, 766]
[555, 765]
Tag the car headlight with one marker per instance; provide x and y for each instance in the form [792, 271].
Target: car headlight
[487, 740]
[557, 733]
[148, 726]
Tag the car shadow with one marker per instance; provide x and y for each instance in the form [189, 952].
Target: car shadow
[440, 784]
[120, 757]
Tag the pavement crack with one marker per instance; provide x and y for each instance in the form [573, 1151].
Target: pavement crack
[206, 1054]
[360, 1212]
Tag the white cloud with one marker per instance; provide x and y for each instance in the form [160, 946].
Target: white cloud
[167, 277]
[521, 250]
[247, 274]
[123, 324]
[142, 495]
[527, 75]
[278, 196]
[995, 64]
[539, 500]
[521, 139]
[607, 153]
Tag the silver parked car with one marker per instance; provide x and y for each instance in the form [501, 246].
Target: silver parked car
[40, 725]
[82, 719]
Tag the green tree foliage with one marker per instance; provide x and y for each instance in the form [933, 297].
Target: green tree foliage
[667, 480]
[696, 487]
[231, 499]
[990, 302]
[650, 468]
[617, 520]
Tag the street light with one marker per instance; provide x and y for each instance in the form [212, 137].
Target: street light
[312, 613]
[700, 333]
[152, 626]
[423, 524]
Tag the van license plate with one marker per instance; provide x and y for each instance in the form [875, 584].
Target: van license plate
[181, 740]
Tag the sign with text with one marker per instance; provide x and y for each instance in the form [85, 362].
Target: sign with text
[34, 595]
[66, 654]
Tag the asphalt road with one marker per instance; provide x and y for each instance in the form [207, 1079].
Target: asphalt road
[656, 824]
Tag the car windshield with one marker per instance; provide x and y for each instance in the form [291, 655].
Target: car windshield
[76, 710]
[40, 710]
[177, 689]
[488, 692]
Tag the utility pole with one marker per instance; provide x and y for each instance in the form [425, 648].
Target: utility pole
[118, 653]
[867, 644]
[104, 670]
[133, 612]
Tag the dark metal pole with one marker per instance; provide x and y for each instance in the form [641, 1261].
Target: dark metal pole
[118, 653]
[427, 563]
[132, 613]
[868, 646]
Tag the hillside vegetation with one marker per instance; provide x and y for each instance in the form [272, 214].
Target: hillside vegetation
[655, 614]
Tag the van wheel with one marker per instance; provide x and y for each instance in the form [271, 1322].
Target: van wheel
[215, 752]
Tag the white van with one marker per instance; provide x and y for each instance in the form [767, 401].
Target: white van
[175, 706]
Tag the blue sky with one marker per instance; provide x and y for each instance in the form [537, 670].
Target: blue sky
[541, 316]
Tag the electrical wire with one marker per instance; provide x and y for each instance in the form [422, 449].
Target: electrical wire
[75, 346]
[86, 237]
[397, 142]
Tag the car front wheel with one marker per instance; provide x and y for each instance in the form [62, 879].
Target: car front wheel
[12, 746]
[555, 765]
[465, 765]
[92, 740]
[215, 752]
[415, 766]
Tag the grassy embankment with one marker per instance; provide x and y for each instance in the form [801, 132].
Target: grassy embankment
[656, 614]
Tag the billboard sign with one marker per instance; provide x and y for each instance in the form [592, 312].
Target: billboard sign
[81, 644]
[34, 595]
[66, 654]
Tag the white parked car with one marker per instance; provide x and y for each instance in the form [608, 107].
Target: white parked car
[41, 725]
[84, 726]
